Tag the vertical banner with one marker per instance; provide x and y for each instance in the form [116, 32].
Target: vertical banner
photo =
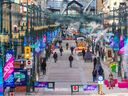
[115, 44]
[9, 69]
[1, 78]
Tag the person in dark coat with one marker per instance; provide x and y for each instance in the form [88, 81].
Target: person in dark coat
[55, 56]
[83, 52]
[70, 60]
[61, 50]
[94, 74]
[43, 66]
[101, 71]
[72, 49]
[67, 45]
[94, 62]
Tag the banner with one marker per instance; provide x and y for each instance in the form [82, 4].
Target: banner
[20, 76]
[41, 84]
[1, 78]
[115, 43]
[9, 69]
[48, 85]
[89, 87]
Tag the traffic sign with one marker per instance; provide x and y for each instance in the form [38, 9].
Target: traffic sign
[75, 88]
[19, 75]
[100, 78]
[28, 63]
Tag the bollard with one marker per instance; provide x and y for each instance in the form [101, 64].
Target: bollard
[100, 92]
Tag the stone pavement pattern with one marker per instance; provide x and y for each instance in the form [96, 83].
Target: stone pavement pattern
[64, 76]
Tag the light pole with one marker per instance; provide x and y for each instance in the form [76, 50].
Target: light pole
[10, 22]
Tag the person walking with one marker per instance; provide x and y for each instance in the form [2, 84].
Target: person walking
[55, 56]
[72, 49]
[43, 66]
[98, 63]
[110, 81]
[61, 50]
[101, 72]
[94, 62]
[83, 52]
[70, 60]
[94, 74]
[67, 45]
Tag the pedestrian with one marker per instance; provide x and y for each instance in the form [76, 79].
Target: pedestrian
[103, 54]
[67, 45]
[110, 81]
[43, 66]
[98, 64]
[55, 56]
[94, 62]
[72, 49]
[61, 50]
[101, 72]
[60, 42]
[94, 74]
[83, 52]
[70, 60]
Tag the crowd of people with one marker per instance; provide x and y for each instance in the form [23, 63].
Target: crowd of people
[97, 66]
[55, 56]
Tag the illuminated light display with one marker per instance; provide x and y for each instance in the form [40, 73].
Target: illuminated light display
[1, 78]
[9, 69]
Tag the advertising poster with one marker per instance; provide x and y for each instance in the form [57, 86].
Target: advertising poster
[1, 78]
[9, 69]
[20, 76]
[89, 87]
[41, 84]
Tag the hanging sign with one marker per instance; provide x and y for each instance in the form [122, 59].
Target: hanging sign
[20, 77]
[9, 69]
[1, 78]
[49, 85]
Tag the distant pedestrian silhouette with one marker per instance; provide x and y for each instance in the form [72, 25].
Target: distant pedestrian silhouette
[55, 56]
[72, 49]
[83, 52]
[61, 50]
[70, 60]
[67, 45]
[43, 66]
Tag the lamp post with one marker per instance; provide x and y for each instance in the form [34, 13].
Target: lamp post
[10, 22]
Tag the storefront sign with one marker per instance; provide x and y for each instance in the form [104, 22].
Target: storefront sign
[89, 87]
[9, 69]
[49, 85]
[20, 76]
[1, 78]
[41, 84]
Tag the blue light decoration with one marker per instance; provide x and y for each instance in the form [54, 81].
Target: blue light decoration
[1, 78]
[9, 69]
[121, 50]
[115, 43]
[25, 41]
[126, 47]
[48, 37]
[53, 34]
[37, 47]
